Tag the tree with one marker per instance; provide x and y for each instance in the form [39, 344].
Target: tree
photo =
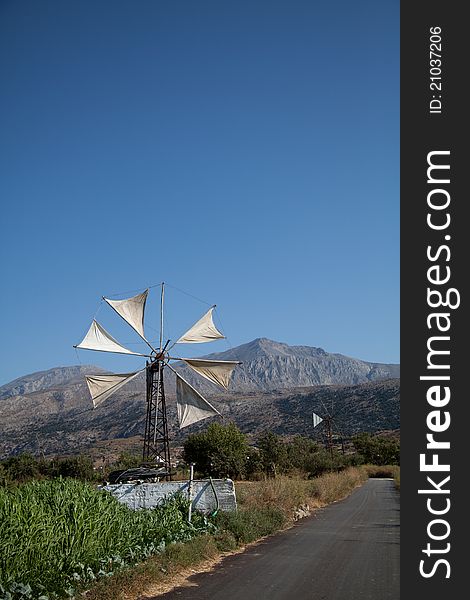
[220, 451]
[273, 453]
[21, 468]
[128, 460]
[377, 450]
[301, 451]
[254, 464]
[78, 467]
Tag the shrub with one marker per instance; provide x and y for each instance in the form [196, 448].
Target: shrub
[377, 450]
[21, 468]
[220, 451]
[247, 525]
[273, 453]
[25, 467]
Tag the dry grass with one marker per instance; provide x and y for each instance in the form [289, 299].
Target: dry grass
[283, 492]
[288, 493]
[331, 487]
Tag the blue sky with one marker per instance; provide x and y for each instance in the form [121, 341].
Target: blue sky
[246, 152]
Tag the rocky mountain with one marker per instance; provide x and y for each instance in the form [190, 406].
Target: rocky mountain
[269, 365]
[44, 380]
[277, 387]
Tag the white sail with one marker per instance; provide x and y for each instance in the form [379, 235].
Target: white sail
[102, 386]
[131, 310]
[202, 331]
[216, 371]
[191, 406]
[316, 419]
[97, 338]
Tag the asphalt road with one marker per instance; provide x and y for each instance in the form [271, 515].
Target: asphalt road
[346, 551]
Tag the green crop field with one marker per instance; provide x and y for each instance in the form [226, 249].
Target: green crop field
[58, 535]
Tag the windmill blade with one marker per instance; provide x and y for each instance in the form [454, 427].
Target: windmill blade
[216, 371]
[326, 410]
[191, 406]
[132, 310]
[202, 331]
[97, 338]
[335, 409]
[316, 419]
[102, 386]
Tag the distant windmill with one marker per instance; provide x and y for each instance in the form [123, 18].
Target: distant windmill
[191, 405]
[328, 427]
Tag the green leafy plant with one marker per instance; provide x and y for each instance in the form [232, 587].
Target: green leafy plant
[57, 535]
[220, 451]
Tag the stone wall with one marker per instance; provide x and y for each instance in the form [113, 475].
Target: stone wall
[149, 495]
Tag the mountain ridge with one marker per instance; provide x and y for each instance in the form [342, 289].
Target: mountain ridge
[266, 365]
[270, 365]
[275, 388]
[42, 380]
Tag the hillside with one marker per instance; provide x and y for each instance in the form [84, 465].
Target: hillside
[276, 388]
[45, 380]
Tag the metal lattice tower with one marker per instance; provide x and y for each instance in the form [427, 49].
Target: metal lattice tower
[156, 438]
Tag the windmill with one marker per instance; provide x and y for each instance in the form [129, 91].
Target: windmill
[191, 405]
[328, 427]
